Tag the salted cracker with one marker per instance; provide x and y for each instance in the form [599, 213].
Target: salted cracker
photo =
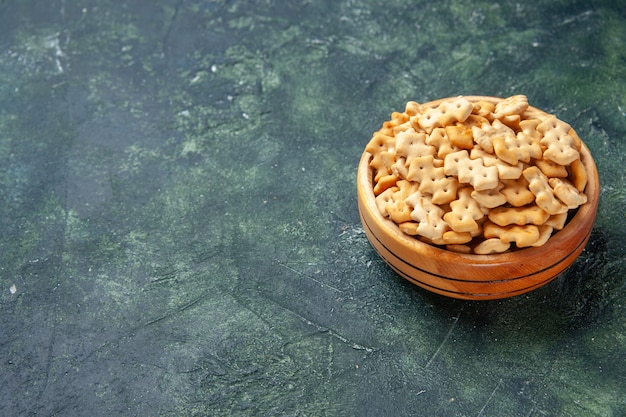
[523, 236]
[471, 171]
[452, 237]
[551, 169]
[567, 193]
[506, 171]
[383, 200]
[545, 231]
[401, 128]
[446, 113]
[432, 179]
[557, 221]
[413, 108]
[385, 182]
[382, 149]
[504, 216]
[578, 175]
[517, 193]
[560, 145]
[511, 147]
[484, 109]
[411, 144]
[544, 194]
[490, 198]
[464, 212]
[511, 106]
[483, 136]
[399, 168]
[398, 209]
[440, 140]
[491, 246]
[460, 136]
[429, 216]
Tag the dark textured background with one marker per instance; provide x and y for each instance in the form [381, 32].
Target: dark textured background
[178, 213]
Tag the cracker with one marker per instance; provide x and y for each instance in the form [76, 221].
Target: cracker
[567, 193]
[401, 128]
[429, 217]
[484, 109]
[382, 163]
[483, 136]
[513, 148]
[545, 231]
[397, 118]
[444, 190]
[460, 136]
[399, 168]
[379, 143]
[491, 246]
[411, 144]
[470, 171]
[513, 105]
[529, 127]
[412, 108]
[557, 221]
[410, 228]
[532, 113]
[490, 198]
[578, 175]
[560, 145]
[423, 167]
[385, 182]
[382, 148]
[523, 236]
[452, 237]
[432, 179]
[440, 140]
[504, 216]
[517, 193]
[551, 169]
[398, 209]
[474, 120]
[464, 213]
[446, 113]
[511, 121]
[383, 200]
[459, 249]
[506, 171]
[544, 194]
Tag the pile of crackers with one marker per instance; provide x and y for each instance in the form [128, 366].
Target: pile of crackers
[477, 177]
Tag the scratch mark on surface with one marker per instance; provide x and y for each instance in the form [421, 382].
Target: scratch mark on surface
[130, 332]
[445, 339]
[180, 309]
[332, 333]
[302, 274]
[480, 413]
[581, 16]
[168, 31]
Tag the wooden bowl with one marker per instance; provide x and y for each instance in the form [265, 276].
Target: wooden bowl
[469, 276]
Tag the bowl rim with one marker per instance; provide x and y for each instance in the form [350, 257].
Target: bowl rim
[584, 216]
